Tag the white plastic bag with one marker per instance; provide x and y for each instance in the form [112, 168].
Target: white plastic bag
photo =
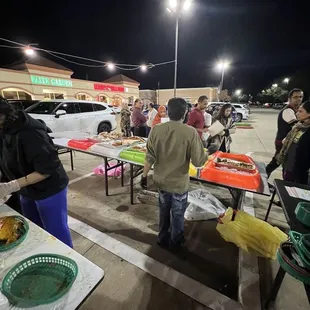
[203, 206]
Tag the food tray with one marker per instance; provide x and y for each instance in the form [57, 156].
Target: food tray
[212, 172]
[105, 149]
[83, 144]
[39, 279]
[133, 155]
[23, 232]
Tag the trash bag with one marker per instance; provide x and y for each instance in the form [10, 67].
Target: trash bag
[251, 234]
[114, 172]
[203, 206]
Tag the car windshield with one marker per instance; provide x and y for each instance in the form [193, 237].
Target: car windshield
[43, 107]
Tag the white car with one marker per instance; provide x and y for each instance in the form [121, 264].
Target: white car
[67, 118]
[242, 111]
[117, 110]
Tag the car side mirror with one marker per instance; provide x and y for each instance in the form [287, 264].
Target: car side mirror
[60, 113]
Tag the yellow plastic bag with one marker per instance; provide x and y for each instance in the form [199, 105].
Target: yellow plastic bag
[251, 234]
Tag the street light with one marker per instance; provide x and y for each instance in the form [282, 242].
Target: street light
[29, 51]
[177, 7]
[286, 80]
[238, 92]
[222, 66]
[143, 68]
[111, 66]
[275, 85]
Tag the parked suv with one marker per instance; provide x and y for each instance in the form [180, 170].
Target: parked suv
[22, 104]
[214, 107]
[242, 111]
[66, 117]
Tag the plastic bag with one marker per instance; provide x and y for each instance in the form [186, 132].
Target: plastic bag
[251, 234]
[203, 206]
[114, 172]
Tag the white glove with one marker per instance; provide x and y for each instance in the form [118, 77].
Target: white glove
[8, 188]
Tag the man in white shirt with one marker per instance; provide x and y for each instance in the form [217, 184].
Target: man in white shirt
[286, 120]
[151, 115]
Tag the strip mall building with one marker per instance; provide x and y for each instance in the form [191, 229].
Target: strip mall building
[39, 78]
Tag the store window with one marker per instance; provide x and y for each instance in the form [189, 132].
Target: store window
[103, 98]
[54, 96]
[83, 96]
[117, 101]
[15, 94]
[86, 107]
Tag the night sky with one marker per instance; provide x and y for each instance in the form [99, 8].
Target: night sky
[263, 39]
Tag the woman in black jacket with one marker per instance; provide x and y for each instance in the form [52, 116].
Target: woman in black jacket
[30, 166]
[295, 152]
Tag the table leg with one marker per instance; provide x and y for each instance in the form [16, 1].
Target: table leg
[270, 205]
[237, 200]
[106, 179]
[122, 176]
[275, 287]
[71, 159]
[131, 184]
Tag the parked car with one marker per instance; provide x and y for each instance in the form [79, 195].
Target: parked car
[117, 110]
[279, 105]
[242, 111]
[67, 117]
[22, 104]
[214, 108]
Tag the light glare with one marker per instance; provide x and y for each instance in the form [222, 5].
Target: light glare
[29, 51]
[222, 65]
[111, 66]
[187, 5]
[238, 92]
[173, 3]
[286, 80]
[143, 68]
[275, 85]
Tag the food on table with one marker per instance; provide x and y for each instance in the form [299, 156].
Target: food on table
[227, 169]
[139, 148]
[234, 163]
[10, 228]
[117, 143]
[111, 135]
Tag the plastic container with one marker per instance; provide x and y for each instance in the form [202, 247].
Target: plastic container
[39, 279]
[23, 234]
[302, 212]
[133, 155]
[83, 144]
[239, 178]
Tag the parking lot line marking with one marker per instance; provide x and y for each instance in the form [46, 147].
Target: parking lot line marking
[81, 178]
[188, 286]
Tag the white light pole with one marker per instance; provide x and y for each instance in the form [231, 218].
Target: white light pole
[222, 66]
[177, 7]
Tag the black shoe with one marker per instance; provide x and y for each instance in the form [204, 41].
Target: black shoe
[163, 245]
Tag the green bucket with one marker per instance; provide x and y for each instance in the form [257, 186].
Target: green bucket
[39, 279]
[23, 234]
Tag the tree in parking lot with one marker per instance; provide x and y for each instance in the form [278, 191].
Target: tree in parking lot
[273, 94]
[223, 96]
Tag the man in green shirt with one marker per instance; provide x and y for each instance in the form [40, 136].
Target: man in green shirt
[170, 148]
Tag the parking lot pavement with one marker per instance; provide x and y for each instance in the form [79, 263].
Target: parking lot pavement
[210, 260]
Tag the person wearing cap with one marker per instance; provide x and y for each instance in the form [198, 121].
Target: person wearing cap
[160, 114]
[151, 115]
[30, 166]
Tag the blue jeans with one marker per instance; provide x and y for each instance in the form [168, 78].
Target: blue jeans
[171, 218]
[51, 214]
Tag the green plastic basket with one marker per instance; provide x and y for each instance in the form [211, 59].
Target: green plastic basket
[39, 279]
[23, 231]
[300, 247]
[288, 263]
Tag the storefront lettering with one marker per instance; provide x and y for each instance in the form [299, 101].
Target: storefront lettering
[42, 80]
[109, 87]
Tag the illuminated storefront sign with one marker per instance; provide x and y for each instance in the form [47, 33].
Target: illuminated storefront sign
[43, 80]
[109, 87]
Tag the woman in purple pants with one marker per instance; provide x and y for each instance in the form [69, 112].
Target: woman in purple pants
[30, 166]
